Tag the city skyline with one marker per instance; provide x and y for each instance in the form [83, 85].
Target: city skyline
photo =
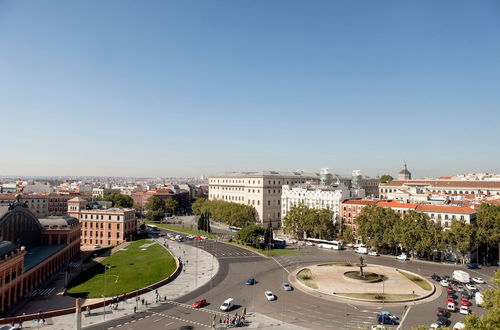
[200, 88]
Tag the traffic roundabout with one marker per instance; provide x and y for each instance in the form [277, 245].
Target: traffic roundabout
[361, 282]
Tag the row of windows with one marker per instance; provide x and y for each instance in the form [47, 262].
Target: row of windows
[95, 241]
[487, 192]
[11, 276]
[255, 181]
[100, 234]
[91, 225]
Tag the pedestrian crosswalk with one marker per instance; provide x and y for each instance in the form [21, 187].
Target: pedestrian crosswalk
[40, 292]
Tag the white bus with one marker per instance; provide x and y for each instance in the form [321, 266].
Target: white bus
[152, 227]
[326, 244]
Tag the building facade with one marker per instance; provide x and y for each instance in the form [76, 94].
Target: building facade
[32, 249]
[103, 227]
[181, 196]
[450, 188]
[317, 197]
[262, 190]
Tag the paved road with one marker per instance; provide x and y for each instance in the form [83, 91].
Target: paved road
[294, 307]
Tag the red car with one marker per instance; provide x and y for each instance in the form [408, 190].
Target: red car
[465, 299]
[198, 237]
[450, 290]
[200, 303]
[450, 300]
[465, 303]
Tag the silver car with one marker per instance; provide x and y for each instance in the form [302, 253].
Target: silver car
[287, 287]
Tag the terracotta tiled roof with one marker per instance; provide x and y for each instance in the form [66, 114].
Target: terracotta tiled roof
[446, 183]
[445, 209]
[397, 205]
[359, 202]
[7, 196]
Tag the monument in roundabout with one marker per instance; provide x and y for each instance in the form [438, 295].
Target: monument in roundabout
[362, 282]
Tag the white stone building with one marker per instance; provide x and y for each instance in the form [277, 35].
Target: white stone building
[262, 190]
[318, 197]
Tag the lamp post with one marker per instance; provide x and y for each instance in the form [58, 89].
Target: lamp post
[106, 267]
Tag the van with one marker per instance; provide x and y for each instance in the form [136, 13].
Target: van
[479, 298]
[461, 276]
[227, 304]
[362, 250]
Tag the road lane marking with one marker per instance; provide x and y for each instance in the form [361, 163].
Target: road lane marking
[403, 318]
[281, 265]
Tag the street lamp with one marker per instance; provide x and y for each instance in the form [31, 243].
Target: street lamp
[106, 267]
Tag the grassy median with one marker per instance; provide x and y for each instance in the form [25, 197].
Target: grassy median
[182, 230]
[424, 284]
[140, 264]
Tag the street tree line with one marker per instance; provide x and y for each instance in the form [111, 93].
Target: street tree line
[302, 221]
[233, 214]
[256, 236]
[416, 233]
[117, 199]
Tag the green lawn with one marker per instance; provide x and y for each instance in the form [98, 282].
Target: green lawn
[424, 284]
[181, 229]
[272, 252]
[132, 268]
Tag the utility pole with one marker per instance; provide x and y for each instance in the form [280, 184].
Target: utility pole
[78, 315]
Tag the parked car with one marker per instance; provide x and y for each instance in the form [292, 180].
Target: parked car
[200, 303]
[250, 281]
[227, 305]
[465, 303]
[269, 295]
[450, 299]
[402, 256]
[451, 306]
[471, 287]
[448, 289]
[464, 310]
[378, 327]
[362, 250]
[373, 253]
[460, 287]
[458, 326]
[478, 280]
[479, 298]
[472, 266]
[452, 295]
[444, 283]
[287, 287]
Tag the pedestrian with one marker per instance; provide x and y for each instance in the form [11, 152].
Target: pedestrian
[146, 304]
[21, 324]
[88, 310]
[413, 291]
[43, 320]
[135, 309]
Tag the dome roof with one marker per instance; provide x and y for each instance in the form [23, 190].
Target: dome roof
[405, 171]
[58, 221]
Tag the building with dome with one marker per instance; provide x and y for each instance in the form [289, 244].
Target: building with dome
[32, 249]
[404, 174]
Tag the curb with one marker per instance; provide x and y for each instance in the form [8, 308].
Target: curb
[72, 310]
[292, 278]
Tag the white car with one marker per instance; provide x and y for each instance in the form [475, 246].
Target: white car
[287, 287]
[459, 325]
[471, 287]
[309, 243]
[478, 280]
[402, 256]
[269, 295]
[378, 327]
[444, 283]
[373, 253]
[464, 310]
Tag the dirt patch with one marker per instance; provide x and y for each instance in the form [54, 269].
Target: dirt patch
[305, 276]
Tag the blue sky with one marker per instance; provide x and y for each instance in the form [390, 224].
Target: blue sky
[183, 88]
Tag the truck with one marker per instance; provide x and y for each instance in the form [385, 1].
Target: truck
[461, 276]
[479, 298]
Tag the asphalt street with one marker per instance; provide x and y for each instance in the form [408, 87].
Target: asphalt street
[294, 307]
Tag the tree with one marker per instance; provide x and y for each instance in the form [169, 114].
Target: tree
[491, 320]
[324, 227]
[386, 178]
[201, 221]
[156, 208]
[197, 206]
[375, 226]
[234, 214]
[119, 200]
[348, 235]
[171, 205]
[251, 235]
[488, 227]
[461, 236]
[295, 223]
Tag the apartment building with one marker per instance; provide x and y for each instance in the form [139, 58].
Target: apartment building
[262, 190]
[444, 187]
[317, 197]
[103, 226]
[443, 214]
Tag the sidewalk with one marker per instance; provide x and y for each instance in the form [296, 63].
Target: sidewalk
[185, 282]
